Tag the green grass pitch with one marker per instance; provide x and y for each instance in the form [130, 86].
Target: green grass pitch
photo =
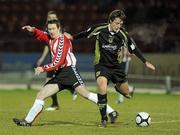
[81, 117]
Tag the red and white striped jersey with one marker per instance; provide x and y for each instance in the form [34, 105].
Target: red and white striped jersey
[61, 50]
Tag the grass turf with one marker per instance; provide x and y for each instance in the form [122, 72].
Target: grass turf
[81, 117]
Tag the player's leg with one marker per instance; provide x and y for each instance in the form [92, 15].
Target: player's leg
[119, 78]
[120, 98]
[37, 107]
[129, 94]
[123, 88]
[102, 98]
[74, 94]
[131, 90]
[103, 75]
[55, 105]
[125, 66]
[78, 85]
[82, 90]
[121, 94]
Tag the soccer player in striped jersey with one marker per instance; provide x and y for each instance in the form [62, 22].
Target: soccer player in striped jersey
[111, 37]
[64, 64]
[51, 15]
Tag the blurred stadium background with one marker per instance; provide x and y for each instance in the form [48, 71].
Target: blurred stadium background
[154, 25]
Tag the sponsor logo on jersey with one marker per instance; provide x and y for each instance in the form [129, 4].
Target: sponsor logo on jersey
[109, 47]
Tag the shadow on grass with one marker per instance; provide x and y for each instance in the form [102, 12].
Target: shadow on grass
[88, 124]
[66, 123]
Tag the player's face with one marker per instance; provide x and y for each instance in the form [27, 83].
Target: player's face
[52, 17]
[116, 24]
[53, 30]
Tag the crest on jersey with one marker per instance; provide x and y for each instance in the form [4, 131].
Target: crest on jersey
[98, 73]
[110, 39]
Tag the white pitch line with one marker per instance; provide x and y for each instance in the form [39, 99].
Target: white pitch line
[168, 121]
[154, 113]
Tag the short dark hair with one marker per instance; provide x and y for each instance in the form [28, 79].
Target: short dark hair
[58, 24]
[52, 12]
[116, 14]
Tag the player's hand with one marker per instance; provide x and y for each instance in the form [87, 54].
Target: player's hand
[38, 70]
[149, 65]
[28, 28]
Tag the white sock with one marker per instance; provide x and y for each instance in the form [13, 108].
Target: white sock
[120, 98]
[131, 88]
[35, 110]
[93, 97]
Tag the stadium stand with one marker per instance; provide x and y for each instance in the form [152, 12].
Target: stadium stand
[154, 24]
[77, 16]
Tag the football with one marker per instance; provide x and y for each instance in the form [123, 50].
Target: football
[143, 119]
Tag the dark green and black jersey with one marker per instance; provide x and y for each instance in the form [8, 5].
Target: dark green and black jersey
[109, 45]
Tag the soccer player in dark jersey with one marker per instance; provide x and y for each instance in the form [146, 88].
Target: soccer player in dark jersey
[111, 38]
[66, 74]
[51, 15]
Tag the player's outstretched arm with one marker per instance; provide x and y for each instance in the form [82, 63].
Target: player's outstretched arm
[149, 65]
[28, 28]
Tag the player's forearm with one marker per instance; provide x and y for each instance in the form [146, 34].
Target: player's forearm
[138, 53]
[133, 48]
[58, 60]
[80, 35]
[52, 66]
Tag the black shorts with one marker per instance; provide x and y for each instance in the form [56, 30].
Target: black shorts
[67, 78]
[116, 74]
[50, 74]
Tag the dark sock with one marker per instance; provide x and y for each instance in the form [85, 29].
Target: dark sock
[54, 100]
[102, 103]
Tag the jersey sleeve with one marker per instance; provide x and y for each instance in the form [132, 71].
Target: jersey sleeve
[132, 47]
[60, 55]
[41, 35]
[92, 31]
